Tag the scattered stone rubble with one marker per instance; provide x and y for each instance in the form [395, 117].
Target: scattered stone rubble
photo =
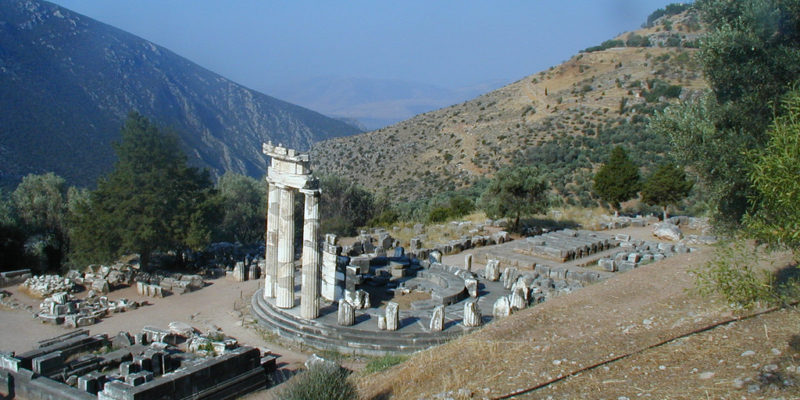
[42, 286]
[63, 308]
[634, 253]
[153, 363]
[162, 283]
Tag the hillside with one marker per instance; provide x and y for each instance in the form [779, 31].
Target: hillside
[67, 82]
[564, 119]
[641, 334]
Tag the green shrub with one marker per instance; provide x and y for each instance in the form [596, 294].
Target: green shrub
[733, 276]
[673, 41]
[321, 381]
[383, 363]
[605, 45]
[635, 40]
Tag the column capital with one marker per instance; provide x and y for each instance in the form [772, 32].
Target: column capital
[311, 192]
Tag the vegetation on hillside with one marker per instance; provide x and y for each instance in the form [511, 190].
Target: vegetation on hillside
[741, 139]
[514, 193]
[151, 201]
[750, 58]
[666, 186]
[564, 120]
[617, 180]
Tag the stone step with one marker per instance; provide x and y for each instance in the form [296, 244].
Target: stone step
[344, 339]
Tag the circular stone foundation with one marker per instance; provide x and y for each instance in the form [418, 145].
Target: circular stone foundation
[363, 337]
[443, 285]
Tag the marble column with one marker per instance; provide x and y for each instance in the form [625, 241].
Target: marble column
[310, 289]
[271, 256]
[285, 288]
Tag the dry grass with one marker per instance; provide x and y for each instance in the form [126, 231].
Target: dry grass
[626, 314]
[439, 233]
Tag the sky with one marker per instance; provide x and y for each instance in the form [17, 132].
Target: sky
[451, 44]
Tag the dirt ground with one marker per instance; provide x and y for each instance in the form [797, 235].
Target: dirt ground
[223, 303]
[642, 334]
[632, 336]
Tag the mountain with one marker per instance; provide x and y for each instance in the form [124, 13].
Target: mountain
[375, 103]
[67, 82]
[564, 120]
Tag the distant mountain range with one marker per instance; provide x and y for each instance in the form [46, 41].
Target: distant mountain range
[374, 103]
[67, 83]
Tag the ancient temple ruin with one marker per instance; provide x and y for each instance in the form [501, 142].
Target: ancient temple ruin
[288, 173]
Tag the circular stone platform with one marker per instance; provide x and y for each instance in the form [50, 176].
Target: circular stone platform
[446, 287]
[364, 337]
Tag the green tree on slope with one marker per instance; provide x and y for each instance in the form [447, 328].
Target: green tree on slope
[244, 205]
[617, 180]
[750, 58]
[515, 192]
[151, 201]
[666, 186]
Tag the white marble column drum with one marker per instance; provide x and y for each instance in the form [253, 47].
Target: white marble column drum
[285, 289]
[310, 289]
[271, 256]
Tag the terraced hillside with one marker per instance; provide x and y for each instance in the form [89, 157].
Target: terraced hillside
[564, 119]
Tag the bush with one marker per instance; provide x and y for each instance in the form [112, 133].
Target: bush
[635, 40]
[383, 363]
[660, 88]
[605, 45]
[732, 275]
[321, 381]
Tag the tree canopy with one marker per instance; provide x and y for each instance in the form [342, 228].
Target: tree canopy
[344, 205]
[151, 201]
[618, 179]
[750, 58]
[776, 179]
[244, 204]
[515, 192]
[666, 186]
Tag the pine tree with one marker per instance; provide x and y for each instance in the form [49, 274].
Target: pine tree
[151, 201]
[617, 180]
[666, 186]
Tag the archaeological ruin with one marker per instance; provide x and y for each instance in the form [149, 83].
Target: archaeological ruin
[174, 363]
[374, 296]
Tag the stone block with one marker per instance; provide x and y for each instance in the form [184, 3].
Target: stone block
[48, 363]
[472, 314]
[509, 276]
[518, 299]
[382, 322]
[437, 319]
[392, 316]
[607, 264]
[472, 287]
[346, 314]
[492, 270]
[502, 307]
[626, 266]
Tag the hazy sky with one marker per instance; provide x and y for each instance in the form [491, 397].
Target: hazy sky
[260, 43]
